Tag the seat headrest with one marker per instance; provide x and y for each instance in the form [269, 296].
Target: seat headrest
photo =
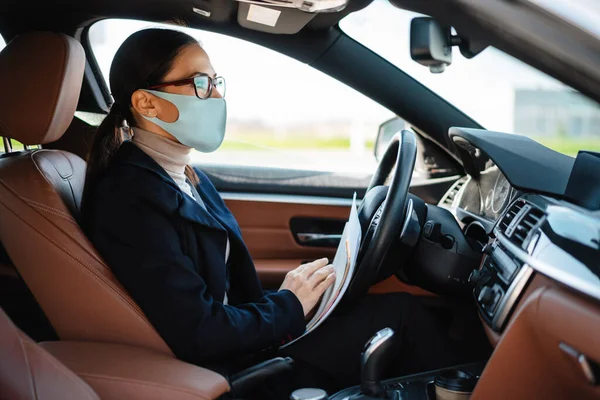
[40, 80]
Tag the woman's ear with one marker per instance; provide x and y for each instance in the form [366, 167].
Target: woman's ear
[149, 105]
[144, 103]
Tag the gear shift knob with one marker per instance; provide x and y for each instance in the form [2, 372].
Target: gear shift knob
[373, 360]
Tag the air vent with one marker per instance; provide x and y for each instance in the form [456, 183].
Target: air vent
[449, 197]
[530, 219]
[519, 220]
[510, 216]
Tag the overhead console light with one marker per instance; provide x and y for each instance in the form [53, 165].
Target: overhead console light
[310, 6]
[283, 16]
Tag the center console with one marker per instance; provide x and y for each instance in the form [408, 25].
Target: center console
[455, 383]
[503, 277]
[498, 285]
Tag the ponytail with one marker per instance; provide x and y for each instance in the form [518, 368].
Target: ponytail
[143, 60]
[107, 140]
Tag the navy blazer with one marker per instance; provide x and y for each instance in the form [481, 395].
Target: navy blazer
[169, 254]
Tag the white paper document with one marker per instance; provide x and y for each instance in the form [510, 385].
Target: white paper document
[343, 263]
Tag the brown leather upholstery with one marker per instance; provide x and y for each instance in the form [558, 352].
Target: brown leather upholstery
[29, 372]
[40, 80]
[40, 192]
[128, 372]
[537, 281]
[66, 174]
[77, 291]
[529, 363]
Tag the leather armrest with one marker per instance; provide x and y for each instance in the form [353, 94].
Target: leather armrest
[117, 371]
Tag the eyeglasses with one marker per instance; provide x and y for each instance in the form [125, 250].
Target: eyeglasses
[203, 85]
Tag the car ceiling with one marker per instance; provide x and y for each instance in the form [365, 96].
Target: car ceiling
[18, 14]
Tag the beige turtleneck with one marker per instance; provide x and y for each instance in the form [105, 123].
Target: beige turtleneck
[172, 157]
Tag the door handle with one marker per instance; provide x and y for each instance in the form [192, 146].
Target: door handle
[587, 367]
[316, 239]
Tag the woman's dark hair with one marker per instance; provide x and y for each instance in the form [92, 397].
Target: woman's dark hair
[143, 60]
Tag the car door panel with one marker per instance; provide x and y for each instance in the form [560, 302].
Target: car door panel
[266, 230]
[272, 272]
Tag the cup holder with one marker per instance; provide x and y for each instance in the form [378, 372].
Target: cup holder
[454, 384]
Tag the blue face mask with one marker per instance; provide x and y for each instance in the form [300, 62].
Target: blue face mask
[201, 123]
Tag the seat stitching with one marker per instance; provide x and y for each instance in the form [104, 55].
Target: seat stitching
[90, 270]
[69, 374]
[68, 179]
[51, 211]
[197, 392]
[33, 388]
[35, 163]
[47, 206]
[12, 191]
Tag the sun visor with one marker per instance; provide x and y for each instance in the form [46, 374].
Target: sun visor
[283, 16]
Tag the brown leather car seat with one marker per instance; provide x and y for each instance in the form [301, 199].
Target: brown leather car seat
[40, 193]
[28, 372]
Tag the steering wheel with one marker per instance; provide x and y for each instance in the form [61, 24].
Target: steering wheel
[383, 212]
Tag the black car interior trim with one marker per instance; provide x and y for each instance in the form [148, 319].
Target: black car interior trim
[526, 164]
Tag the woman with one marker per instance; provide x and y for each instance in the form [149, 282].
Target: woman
[176, 248]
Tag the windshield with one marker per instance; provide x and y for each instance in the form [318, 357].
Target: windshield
[496, 90]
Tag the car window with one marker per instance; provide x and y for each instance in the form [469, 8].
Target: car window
[281, 113]
[496, 90]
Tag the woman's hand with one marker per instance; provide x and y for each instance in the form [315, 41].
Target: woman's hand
[309, 281]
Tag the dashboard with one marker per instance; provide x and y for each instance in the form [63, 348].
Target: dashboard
[489, 195]
[541, 216]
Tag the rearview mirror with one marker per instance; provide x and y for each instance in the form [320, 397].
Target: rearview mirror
[387, 130]
[431, 44]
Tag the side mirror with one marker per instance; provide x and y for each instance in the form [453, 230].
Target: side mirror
[431, 44]
[387, 130]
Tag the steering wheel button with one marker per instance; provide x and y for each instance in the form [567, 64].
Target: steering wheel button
[428, 228]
